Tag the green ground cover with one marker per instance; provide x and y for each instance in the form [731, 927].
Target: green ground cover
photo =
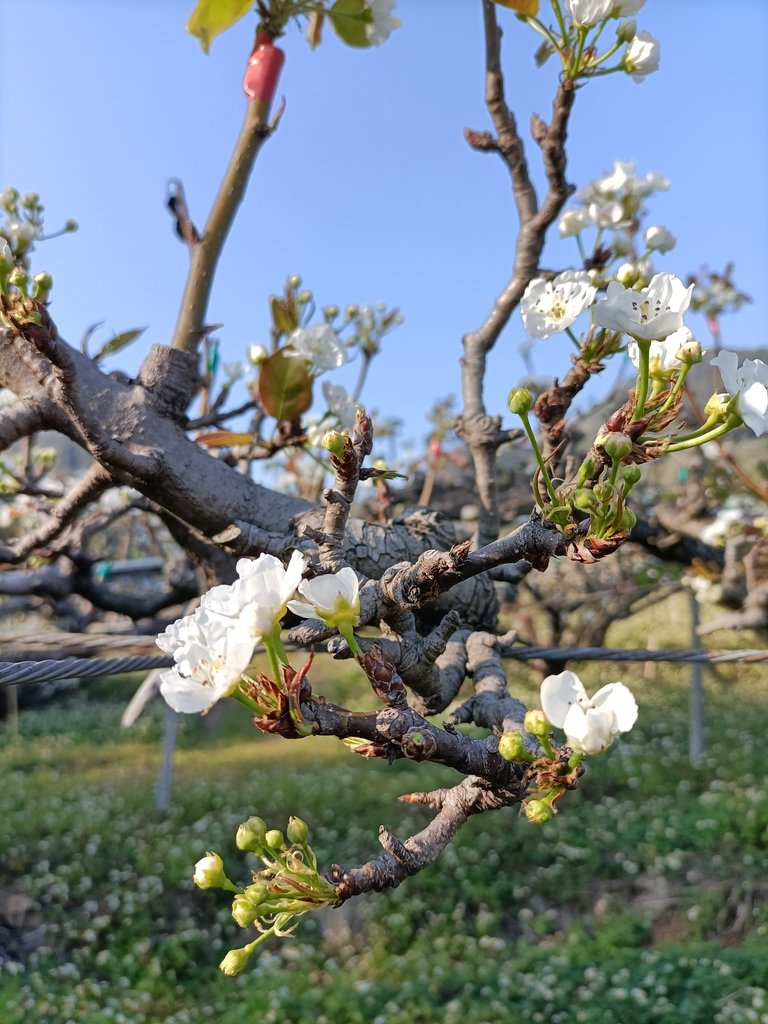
[644, 900]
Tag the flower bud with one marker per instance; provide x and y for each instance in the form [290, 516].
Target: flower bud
[297, 831]
[30, 201]
[626, 30]
[19, 278]
[538, 811]
[627, 274]
[331, 312]
[512, 747]
[586, 470]
[244, 910]
[9, 197]
[718, 406]
[631, 475]
[520, 401]
[209, 872]
[603, 492]
[294, 281]
[305, 297]
[71, 225]
[627, 520]
[257, 354]
[274, 839]
[41, 286]
[617, 446]
[350, 312]
[690, 353]
[333, 442]
[251, 835]
[584, 498]
[235, 960]
[536, 723]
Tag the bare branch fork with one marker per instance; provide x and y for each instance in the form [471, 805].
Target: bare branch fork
[481, 431]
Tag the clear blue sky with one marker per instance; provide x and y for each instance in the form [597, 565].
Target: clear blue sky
[368, 189]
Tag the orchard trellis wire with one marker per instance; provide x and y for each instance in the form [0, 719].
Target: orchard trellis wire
[35, 666]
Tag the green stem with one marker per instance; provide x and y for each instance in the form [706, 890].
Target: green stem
[694, 442]
[675, 390]
[537, 26]
[352, 643]
[246, 701]
[573, 338]
[644, 348]
[274, 661]
[539, 458]
[575, 760]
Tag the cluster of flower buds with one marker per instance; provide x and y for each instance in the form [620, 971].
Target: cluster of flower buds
[287, 886]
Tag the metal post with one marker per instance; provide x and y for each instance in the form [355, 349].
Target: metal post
[165, 779]
[696, 699]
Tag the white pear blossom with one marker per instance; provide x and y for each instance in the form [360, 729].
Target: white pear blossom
[333, 598]
[258, 598]
[550, 306]
[665, 355]
[589, 12]
[651, 314]
[659, 239]
[210, 657]
[573, 222]
[607, 214]
[589, 724]
[642, 56]
[624, 8]
[319, 345]
[257, 354]
[749, 382]
[716, 532]
[340, 403]
[380, 29]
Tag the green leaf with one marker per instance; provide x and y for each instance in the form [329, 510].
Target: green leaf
[349, 19]
[118, 341]
[89, 332]
[285, 387]
[211, 17]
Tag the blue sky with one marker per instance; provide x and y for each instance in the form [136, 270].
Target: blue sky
[368, 189]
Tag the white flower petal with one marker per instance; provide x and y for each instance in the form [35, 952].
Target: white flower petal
[558, 694]
[619, 700]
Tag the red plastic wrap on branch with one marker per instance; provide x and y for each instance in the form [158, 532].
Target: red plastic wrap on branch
[263, 72]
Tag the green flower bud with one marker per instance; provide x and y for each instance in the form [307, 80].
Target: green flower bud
[536, 723]
[603, 492]
[584, 498]
[274, 839]
[331, 312]
[512, 747]
[19, 277]
[251, 835]
[719, 406]
[41, 286]
[627, 275]
[538, 811]
[520, 401]
[244, 910]
[9, 197]
[235, 960]
[71, 225]
[334, 441]
[631, 475]
[586, 471]
[627, 520]
[294, 281]
[304, 298]
[297, 831]
[30, 201]
[616, 445]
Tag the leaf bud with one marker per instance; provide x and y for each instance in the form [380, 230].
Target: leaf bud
[520, 401]
[251, 835]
